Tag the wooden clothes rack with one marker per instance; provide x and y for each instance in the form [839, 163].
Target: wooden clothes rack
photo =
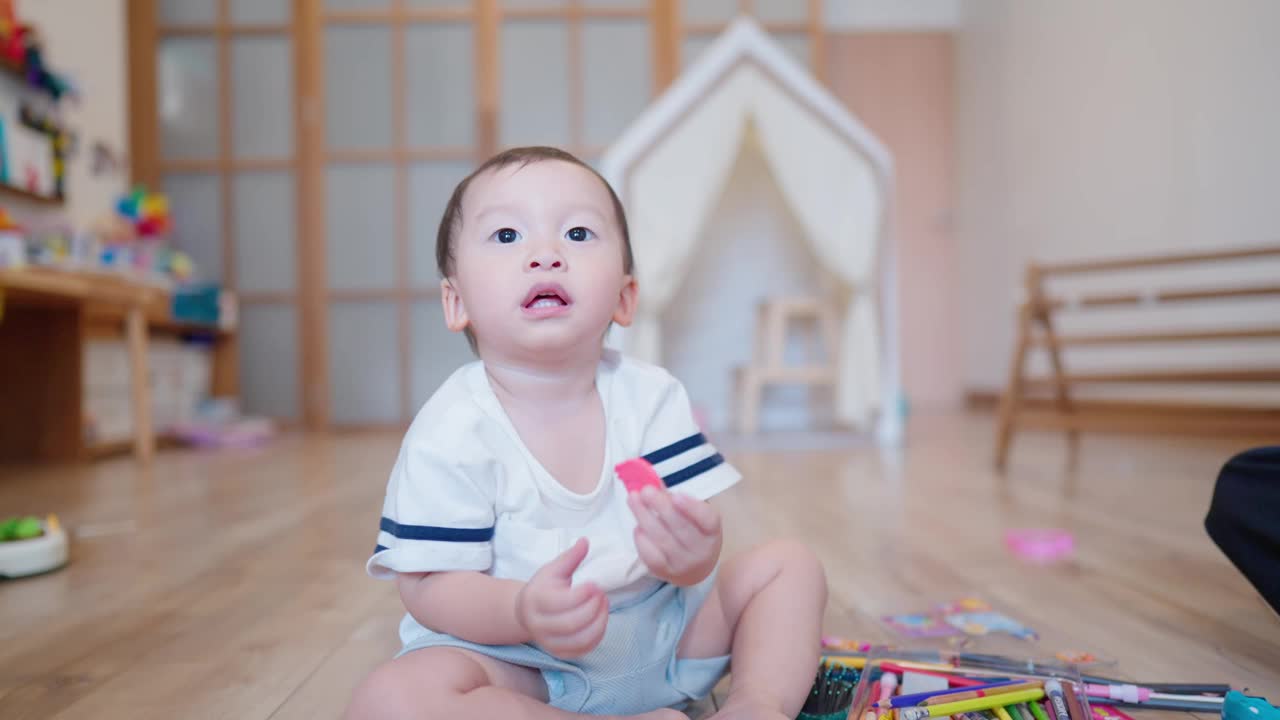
[1036, 330]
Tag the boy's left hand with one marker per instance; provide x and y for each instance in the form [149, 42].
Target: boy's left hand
[678, 536]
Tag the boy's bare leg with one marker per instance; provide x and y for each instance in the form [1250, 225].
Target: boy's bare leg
[456, 684]
[766, 609]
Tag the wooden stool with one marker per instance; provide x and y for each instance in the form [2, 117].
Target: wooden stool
[767, 367]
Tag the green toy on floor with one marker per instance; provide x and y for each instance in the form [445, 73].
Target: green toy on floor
[21, 528]
[31, 546]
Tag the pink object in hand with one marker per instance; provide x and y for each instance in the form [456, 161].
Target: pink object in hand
[637, 473]
[1040, 545]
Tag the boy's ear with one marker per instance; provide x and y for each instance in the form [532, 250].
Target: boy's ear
[627, 300]
[455, 313]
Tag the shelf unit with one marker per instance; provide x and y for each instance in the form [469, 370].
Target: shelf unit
[48, 316]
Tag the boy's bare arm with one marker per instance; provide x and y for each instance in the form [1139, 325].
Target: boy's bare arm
[470, 606]
[565, 619]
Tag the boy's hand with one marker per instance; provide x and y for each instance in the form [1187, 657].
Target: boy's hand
[567, 621]
[678, 536]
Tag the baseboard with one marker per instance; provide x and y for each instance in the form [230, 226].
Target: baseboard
[1135, 415]
[981, 399]
[987, 399]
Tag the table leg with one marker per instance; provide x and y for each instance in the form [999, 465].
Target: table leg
[144, 438]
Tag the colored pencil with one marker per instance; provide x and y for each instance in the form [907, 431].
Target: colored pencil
[985, 703]
[913, 667]
[1164, 704]
[1107, 712]
[1188, 688]
[1136, 694]
[920, 698]
[999, 662]
[1001, 713]
[1038, 711]
[857, 663]
[982, 691]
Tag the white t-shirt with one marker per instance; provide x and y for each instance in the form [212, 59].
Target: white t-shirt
[466, 494]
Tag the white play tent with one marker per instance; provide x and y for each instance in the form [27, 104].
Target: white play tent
[671, 165]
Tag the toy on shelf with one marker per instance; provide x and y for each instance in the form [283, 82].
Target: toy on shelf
[135, 237]
[218, 424]
[34, 141]
[57, 141]
[22, 52]
[149, 213]
[13, 244]
[30, 546]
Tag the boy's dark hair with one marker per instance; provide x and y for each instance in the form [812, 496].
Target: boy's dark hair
[521, 156]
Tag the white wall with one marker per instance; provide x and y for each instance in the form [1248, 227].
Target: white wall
[86, 40]
[1097, 128]
[866, 15]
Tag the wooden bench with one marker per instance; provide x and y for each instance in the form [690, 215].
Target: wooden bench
[1036, 330]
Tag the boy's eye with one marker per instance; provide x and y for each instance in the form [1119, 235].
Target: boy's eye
[506, 236]
[579, 234]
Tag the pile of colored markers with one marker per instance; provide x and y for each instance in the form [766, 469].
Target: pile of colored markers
[989, 687]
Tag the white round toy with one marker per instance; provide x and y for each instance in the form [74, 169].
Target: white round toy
[30, 546]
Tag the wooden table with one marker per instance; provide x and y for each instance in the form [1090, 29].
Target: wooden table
[43, 314]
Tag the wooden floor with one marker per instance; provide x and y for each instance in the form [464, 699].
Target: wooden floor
[232, 586]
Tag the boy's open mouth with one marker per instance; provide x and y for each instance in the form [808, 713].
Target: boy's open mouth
[546, 295]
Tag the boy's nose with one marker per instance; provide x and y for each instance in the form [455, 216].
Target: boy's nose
[546, 261]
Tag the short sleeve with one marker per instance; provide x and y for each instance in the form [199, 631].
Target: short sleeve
[437, 516]
[681, 454]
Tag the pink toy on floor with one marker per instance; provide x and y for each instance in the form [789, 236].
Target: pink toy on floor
[1040, 545]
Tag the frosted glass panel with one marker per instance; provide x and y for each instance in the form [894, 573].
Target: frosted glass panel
[796, 45]
[187, 73]
[440, 3]
[430, 185]
[535, 84]
[358, 87]
[355, 4]
[693, 46]
[615, 77]
[359, 227]
[533, 3]
[262, 96]
[781, 10]
[440, 99]
[364, 372]
[259, 11]
[634, 4]
[195, 202]
[709, 11]
[188, 12]
[436, 352]
[266, 254]
[269, 360]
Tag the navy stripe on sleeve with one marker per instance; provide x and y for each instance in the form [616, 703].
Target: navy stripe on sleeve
[429, 532]
[379, 549]
[675, 448]
[693, 470]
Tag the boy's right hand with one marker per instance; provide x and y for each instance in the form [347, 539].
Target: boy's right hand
[567, 621]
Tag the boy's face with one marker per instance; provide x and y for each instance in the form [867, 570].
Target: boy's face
[538, 261]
